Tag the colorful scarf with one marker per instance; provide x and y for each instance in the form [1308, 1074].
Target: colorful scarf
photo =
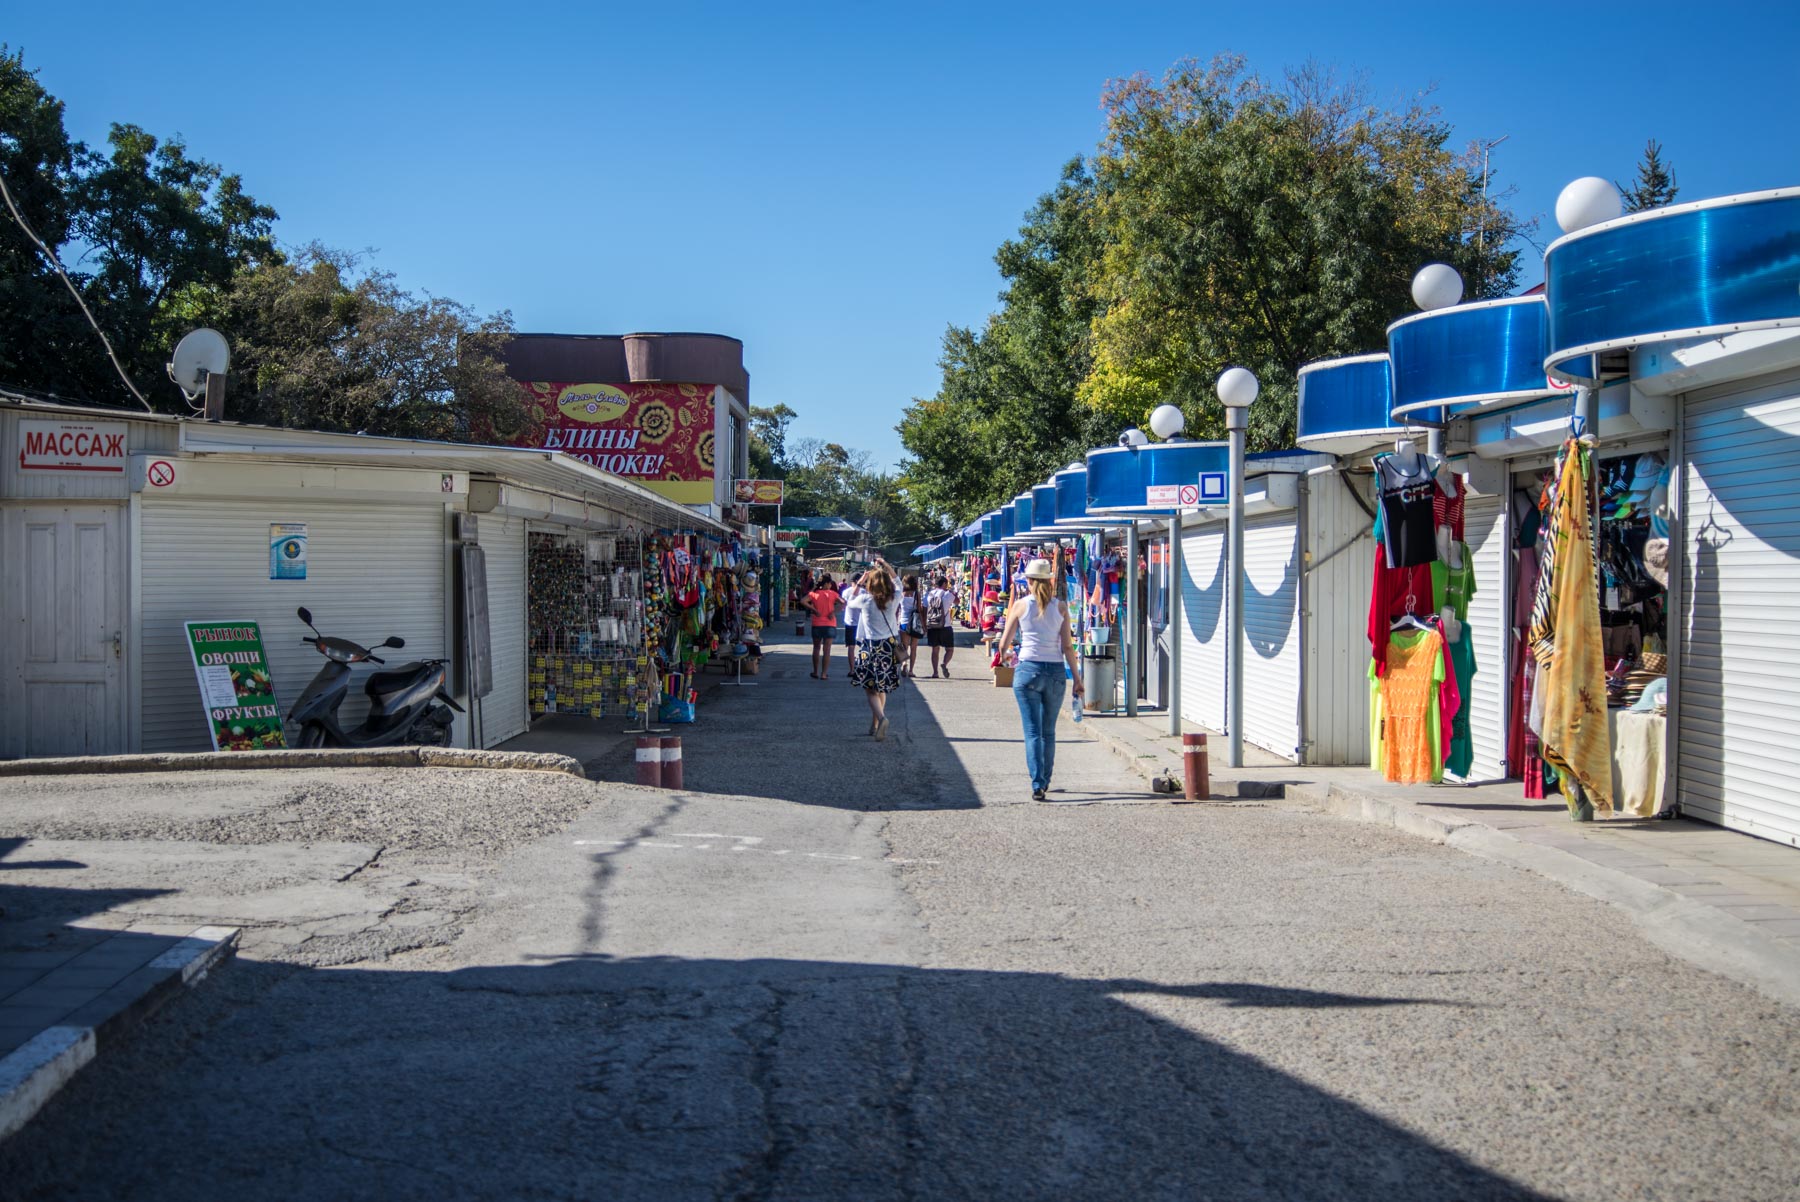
[1566, 640]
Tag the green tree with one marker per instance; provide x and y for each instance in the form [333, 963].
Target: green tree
[768, 440]
[42, 333]
[1224, 220]
[1267, 226]
[159, 227]
[323, 343]
[1655, 186]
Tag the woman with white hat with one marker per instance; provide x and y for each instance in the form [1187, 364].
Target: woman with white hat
[1046, 644]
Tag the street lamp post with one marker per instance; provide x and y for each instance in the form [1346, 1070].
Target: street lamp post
[1237, 387]
[1167, 423]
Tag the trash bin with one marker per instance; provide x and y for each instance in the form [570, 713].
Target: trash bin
[1099, 681]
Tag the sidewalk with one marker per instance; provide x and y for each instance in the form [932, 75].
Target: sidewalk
[1726, 901]
[67, 991]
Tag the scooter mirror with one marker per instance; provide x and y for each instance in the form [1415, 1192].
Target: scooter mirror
[305, 615]
[394, 641]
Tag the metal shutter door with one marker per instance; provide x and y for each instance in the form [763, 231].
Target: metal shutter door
[1272, 633]
[372, 570]
[503, 710]
[1484, 528]
[1203, 627]
[1739, 688]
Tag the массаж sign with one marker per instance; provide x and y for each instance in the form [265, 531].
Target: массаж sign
[72, 446]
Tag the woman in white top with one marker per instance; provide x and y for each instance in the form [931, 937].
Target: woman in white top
[1045, 645]
[877, 664]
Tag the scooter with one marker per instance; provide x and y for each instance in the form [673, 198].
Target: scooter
[402, 705]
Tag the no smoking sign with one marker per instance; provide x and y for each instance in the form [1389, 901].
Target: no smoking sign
[160, 473]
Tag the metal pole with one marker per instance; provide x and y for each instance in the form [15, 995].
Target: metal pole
[1175, 623]
[1237, 420]
[1128, 618]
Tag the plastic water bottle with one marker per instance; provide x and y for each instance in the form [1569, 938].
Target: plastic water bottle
[1074, 707]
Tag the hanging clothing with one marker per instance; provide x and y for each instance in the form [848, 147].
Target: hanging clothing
[1452, 587]
[1447, 505]
[1566, 639]
[1412, 717]
[1408, 525]
[1397, 592]
[1461, 756]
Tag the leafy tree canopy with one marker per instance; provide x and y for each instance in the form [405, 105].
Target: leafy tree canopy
[1225, 219]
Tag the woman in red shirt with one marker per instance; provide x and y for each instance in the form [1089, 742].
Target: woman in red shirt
[824, 602]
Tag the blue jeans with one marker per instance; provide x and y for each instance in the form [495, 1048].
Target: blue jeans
[1038, 688]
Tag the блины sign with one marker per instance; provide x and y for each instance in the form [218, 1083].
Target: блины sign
[236, 686]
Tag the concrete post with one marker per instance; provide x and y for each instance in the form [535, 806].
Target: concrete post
[1237, 420]
[1128, 620]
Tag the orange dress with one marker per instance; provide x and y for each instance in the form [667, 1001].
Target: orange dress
[1412, 727]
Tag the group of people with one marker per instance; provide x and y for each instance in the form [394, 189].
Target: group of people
[885, 618]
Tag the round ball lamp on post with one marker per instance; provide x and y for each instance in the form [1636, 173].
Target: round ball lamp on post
[1238, 388]
[1167, 422]
[1437, 286]
[1587, 201]
[1133, 437]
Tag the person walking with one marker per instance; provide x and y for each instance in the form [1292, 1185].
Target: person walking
[940, 604]
[823, 602]
[877, 667]
[852, 588]
[912, 625]
[1046, 643]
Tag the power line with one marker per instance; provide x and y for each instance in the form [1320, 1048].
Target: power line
[56, 263]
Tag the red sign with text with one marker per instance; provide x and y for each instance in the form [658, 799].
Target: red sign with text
[657, 435]
[72, 446]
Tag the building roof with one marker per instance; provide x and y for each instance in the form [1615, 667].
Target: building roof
[551, 471]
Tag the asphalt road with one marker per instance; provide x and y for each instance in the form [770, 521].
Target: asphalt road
[837, 969]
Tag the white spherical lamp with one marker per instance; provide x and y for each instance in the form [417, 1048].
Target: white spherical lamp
[1167, 421]
[1237, 387]
[1588, 201]
[1133, 437]
[1437, 286]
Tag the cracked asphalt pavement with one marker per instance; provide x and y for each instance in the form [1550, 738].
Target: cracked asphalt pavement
[838, 969]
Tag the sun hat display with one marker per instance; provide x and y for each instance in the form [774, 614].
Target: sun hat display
[1039, 569]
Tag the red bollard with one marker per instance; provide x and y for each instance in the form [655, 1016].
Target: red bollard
[671, 761]
[1196, 784]
[649, 761]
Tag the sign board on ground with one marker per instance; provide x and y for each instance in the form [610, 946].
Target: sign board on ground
[236, 686]
[71, 446]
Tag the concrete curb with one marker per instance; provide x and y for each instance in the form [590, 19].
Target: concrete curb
[1152, 763]
[380, 757]
[32, 1074]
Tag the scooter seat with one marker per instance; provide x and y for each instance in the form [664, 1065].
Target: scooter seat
[395, 680]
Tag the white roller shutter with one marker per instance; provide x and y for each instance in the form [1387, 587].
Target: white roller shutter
[1203, 627]
[503, 712]
[1485, 531]
[1272, 633]
[1739, 686]
[372, 570]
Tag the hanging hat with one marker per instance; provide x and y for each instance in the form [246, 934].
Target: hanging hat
[1039, 569]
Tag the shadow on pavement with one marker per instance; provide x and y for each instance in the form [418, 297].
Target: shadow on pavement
[676, 1079]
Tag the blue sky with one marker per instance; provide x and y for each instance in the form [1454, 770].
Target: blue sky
[829, 182]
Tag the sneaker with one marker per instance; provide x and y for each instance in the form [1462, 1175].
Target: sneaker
[1037, 795]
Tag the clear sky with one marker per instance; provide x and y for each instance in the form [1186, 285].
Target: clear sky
[829, 182]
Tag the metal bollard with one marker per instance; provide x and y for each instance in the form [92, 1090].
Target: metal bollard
[649, 761]
[671, 761]
[1197, 783]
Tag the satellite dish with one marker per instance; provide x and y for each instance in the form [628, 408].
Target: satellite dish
[200, 353]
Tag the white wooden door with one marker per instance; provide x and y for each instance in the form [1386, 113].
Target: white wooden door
[64, 594]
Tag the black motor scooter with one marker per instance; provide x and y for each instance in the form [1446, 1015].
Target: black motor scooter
[402, 705]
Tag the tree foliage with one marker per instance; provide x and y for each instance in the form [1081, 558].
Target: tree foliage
[1655, 185]
[161, 242]
[1223, 220]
